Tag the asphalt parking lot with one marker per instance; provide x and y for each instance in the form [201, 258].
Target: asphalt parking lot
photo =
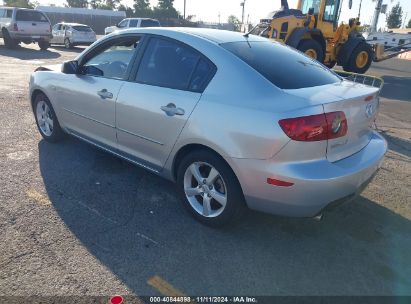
[77, 221]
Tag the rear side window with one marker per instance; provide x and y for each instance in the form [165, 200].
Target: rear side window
[281, 65]
[82, 28]
[173, 65]
[29, 15]
[150, 23]
[9, 13]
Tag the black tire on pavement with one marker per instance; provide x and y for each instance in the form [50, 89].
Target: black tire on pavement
[8, 41]
[44, 45]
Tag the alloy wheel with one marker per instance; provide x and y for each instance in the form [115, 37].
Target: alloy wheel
[44, 118]
[205, 189]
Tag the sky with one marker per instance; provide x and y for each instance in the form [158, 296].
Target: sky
[209, 10]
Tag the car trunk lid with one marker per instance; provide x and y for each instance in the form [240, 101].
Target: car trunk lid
[359, 104]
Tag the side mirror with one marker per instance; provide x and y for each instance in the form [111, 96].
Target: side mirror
[350, 4]
[70, 67]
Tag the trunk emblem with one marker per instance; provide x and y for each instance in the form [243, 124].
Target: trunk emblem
[370, 110]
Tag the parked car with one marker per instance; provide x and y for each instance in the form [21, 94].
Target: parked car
[234, 120]
[24, 25]
[132, 22]
[72, 34]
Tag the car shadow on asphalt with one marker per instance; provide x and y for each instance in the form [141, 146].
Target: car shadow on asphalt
[133, 223]
[398, 88]
[73, 49]
[20, 52]
[398, 145]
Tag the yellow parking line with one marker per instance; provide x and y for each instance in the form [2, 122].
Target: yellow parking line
[164, 287]
[38, 197]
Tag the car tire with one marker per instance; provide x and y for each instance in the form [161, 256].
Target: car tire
[46, 119]
[8, 41]
[67, 43]
[360, 59]
[212, 194]
[312, 49]
[44, 45]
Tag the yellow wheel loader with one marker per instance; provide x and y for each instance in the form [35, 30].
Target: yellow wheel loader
[313, 29]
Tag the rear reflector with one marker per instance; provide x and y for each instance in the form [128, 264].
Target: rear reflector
[277, 182]
[315, 127]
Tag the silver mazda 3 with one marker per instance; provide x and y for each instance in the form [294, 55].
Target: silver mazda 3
[235, 120]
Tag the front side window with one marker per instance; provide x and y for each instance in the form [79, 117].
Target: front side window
[173, 65]
[331, 10]
[30, 15]
[283, 66]
[113, 60]
[9, 13]
[307, 4]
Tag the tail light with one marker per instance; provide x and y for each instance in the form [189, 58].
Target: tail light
[15, 27]
[315, 127]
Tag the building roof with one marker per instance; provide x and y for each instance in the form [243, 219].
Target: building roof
[80, 11]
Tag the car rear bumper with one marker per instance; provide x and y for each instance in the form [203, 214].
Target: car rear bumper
[316, 185]
[26, 37]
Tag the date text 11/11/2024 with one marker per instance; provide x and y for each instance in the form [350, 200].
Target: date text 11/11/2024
[203, 299]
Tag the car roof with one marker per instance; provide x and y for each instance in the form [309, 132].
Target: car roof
[73, 24]
[213, 35]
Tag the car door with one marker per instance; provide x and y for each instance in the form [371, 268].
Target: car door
[88, 98]
[55, 32]
[152, 110]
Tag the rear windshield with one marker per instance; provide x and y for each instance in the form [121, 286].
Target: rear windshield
[81, 28]
[29, 15]
[150, 23]
[281, 65]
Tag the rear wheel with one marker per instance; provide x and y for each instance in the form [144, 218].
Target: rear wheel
[312, 49]
[210, 189]
[67, 43]
[8, 41]
[360, 59]
[46, 119]
[44, 45]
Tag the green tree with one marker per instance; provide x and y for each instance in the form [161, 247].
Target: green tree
[165, 9]
[18, 3]
[77, 3]
[394, 17]
[142, 8]
[409, 24]
[129, 11]
[235, 22]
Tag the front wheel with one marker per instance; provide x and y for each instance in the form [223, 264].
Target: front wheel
[210, 189]
[312, 49]
[44, 45]
[46, 119]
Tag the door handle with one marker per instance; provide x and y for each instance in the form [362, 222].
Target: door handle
[172, 110]
[104, 94]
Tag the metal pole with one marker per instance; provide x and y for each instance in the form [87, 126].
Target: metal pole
[376, 16]
[184, 9]
[242, 18]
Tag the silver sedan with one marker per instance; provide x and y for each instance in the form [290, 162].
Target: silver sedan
[235, 120]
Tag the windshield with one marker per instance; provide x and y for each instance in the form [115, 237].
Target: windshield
[283, 66]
